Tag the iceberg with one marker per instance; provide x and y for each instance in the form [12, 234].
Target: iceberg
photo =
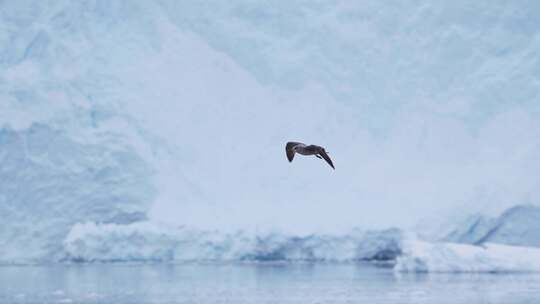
[146, 241]
[419, 256]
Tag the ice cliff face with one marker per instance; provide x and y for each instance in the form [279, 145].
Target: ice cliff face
[149, 242]
[69, 151]
[51, 182]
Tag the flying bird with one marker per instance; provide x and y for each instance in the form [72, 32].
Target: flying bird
[295, 147]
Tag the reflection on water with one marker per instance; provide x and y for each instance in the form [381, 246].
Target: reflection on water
[256, 283]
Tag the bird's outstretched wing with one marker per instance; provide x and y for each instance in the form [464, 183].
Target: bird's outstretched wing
[289, 149]
[326, 158]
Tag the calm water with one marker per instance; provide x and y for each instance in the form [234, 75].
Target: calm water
[255, 283]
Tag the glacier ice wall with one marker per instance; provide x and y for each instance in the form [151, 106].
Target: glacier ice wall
[51, 182]
[68, 155]
[421, 102]
[458, 58]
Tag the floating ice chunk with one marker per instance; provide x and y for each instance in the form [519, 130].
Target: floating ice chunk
[419, 256]
[146, 241]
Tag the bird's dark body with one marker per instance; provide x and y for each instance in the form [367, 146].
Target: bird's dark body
[308, 150]
[296, 147]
